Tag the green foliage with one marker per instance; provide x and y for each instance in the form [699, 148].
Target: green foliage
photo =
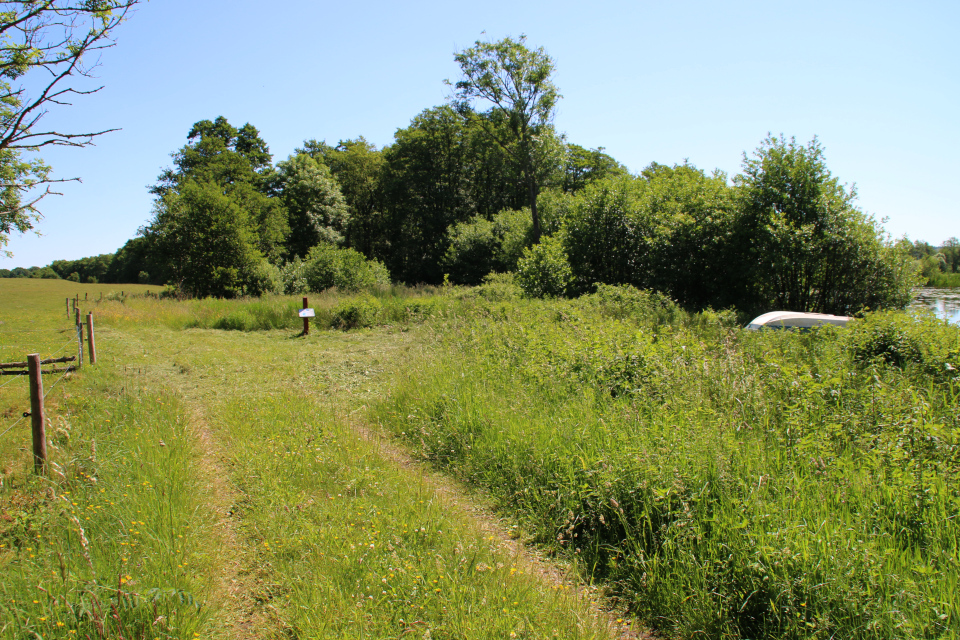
[480, 246]
[440, 171]
[318, 213]
[328, 266]
[293, 277]
[723, 483]
[96, 267]
[358, 168]
[586, 166]
[544, 271]
[802, 245]
[515, 82]
[207, 242]
[907, 341]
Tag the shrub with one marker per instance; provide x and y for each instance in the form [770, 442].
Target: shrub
[293, 277]
[262, 278]
[356, 313]
[544, 271]
[328, 266]
[905, 341]
[480, 246]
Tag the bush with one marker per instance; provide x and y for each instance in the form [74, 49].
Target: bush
[904, 341]
[543, 271]
[480, 246]
[263, 278]
[356, 313]
[328, 266]
[293, 277]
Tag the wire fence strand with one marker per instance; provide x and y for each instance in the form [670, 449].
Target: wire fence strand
[13, 425]
[12, 380]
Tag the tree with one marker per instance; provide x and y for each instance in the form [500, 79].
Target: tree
[316, 208]
[207, 241]
[357, 166]
[46, 48]
[585, 166]
[515, 82]
[239, 161]
[800, 244]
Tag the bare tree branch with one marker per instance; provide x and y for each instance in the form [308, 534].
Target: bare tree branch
[62, 38]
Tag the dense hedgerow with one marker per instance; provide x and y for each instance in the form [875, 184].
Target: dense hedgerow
[726, 483]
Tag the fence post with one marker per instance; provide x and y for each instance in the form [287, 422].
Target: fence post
[90, 341]
[37, 414]
[306, 321]
[67, 301]
[79, 341]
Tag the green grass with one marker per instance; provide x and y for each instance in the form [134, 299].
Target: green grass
[725, 483]
[212, 483]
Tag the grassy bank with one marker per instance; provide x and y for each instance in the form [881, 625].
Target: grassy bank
[728, 484]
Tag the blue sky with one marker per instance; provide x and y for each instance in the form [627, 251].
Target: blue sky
[877, 82]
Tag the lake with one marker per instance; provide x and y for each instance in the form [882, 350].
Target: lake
[945, 303]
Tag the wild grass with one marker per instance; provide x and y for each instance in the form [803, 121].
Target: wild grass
[726, 483]
[332, 539]
[112, 542]
[387, 306]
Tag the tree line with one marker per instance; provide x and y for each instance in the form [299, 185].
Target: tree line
[485, 184]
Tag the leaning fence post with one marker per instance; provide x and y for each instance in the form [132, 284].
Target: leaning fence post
[37, 415]
[90, 341]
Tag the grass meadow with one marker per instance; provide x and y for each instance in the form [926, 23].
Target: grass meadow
[208, 483]
[726, 484]
[219, 475]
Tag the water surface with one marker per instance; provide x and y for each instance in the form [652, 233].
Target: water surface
[945, 303]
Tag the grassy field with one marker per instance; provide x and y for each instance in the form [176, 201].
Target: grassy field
[219, 475]
[210, 483]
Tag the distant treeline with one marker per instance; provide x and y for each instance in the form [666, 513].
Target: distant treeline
[462, 193]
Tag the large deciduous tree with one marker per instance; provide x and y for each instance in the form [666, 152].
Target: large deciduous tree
[215, 219]
[358, 167]
[316, 208]
[514, 83]
[47, 49]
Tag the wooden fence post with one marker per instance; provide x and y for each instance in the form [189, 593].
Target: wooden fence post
[306, 321]
[76, 313]
[79, 342]
[37, 415]
[90, 341]
[67, 300]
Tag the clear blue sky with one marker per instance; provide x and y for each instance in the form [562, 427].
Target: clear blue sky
[878, 82]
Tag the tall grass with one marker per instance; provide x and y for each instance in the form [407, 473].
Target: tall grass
[327, 537]
[727, 483]
[113, 544]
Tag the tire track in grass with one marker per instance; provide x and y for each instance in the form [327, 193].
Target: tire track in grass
[237, 583]
[476, 509]
[344, 372]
